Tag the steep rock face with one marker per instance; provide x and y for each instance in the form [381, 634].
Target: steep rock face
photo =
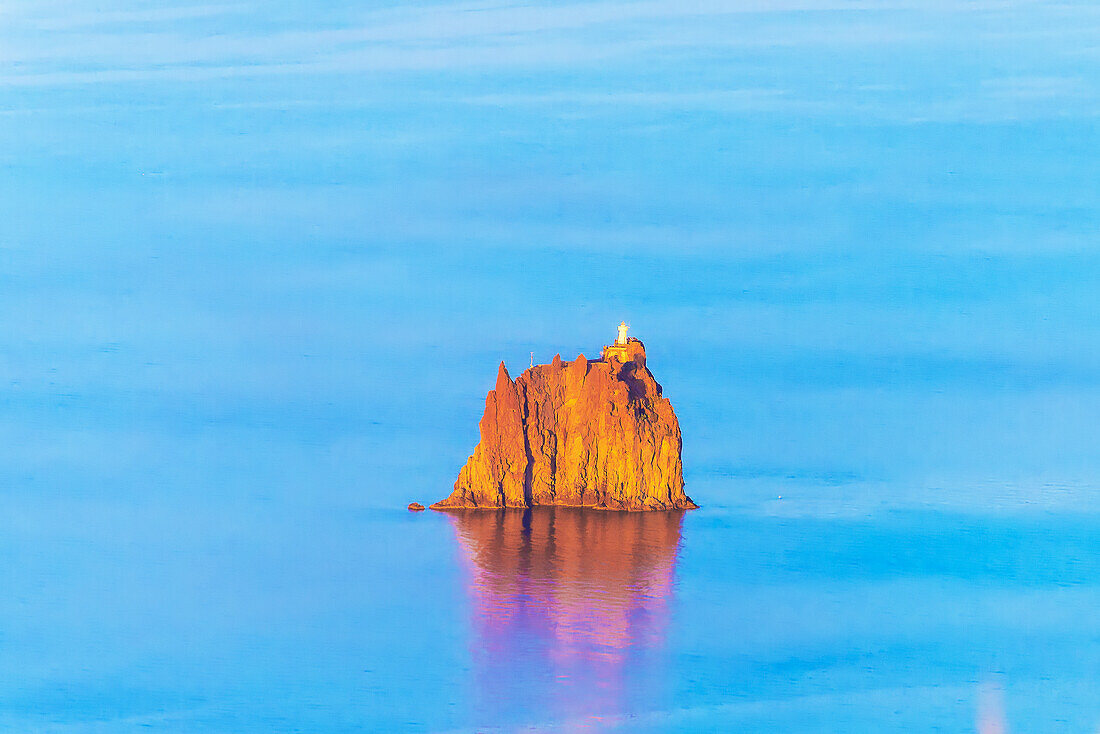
[583, 434]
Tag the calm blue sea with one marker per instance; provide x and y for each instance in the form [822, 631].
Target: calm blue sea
[259, 262]
[254, 615]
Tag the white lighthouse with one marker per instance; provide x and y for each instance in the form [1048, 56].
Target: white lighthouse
[624, 350]
[621, 339]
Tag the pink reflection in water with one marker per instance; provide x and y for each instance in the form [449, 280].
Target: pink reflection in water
[570, 610]
[991, 711]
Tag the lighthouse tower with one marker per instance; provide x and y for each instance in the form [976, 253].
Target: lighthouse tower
[624, 350]
[621, 338]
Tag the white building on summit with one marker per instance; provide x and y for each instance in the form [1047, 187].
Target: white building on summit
[624, 349]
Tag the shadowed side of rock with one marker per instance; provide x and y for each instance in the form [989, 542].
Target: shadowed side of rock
[582, 434]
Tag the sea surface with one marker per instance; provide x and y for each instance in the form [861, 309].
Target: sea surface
[259, 263]
[766, 615]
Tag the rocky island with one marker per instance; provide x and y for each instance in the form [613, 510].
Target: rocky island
[585, 433]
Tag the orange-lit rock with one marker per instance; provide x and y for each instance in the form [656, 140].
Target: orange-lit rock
[582, 433]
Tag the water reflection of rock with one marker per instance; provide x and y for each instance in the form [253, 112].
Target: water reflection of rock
[570, 610]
